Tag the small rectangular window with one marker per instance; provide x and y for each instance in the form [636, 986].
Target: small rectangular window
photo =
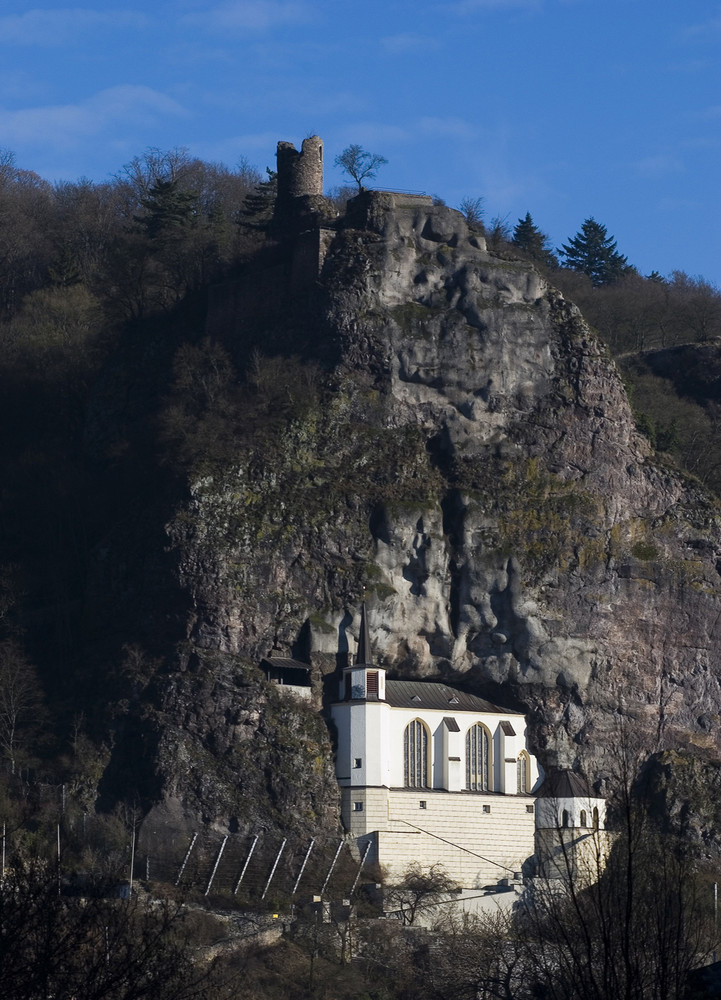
[372, 683]
[423, 804]
[357, 807]
[529, 809]
[486, 809]
[357, 762]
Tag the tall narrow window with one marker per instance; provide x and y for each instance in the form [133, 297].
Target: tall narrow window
[522, 774]
[595, 817]
[582, 821]
[478, 759]
[415, 755]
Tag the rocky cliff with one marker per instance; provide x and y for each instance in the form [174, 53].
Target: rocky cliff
[460, 445]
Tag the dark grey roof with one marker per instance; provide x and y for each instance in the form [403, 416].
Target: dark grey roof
[565, 785]
[425, 694]
[286, 670]
[284, 663]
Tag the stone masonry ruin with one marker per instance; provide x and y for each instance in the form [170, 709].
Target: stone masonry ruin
[300, 184]
[300, 173]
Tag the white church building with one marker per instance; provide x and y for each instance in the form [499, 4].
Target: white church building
[433, 775]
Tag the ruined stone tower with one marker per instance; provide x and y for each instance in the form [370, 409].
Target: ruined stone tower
[300, 183]
[300, 173]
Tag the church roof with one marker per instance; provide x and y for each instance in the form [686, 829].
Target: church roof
[566, 785]
[426, 694]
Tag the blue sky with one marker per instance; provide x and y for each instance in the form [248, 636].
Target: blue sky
[564, 108]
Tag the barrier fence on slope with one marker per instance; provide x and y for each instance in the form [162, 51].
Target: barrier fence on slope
[259, 867]
[252, 868]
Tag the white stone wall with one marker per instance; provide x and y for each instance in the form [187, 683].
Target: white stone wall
[444, 745]
[363, 735]
[477, 846]
[296, 690]
[373, 815]
[573, 854]
[550, 812]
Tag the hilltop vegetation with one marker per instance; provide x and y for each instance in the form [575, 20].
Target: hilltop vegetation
[639, 318]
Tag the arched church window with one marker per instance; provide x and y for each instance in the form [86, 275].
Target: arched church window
[415, 755]
[583, 818]
[478, 759]
[595, 817]
[522, 781]
[564, 818]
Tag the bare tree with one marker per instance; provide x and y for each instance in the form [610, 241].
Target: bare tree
[476, 957]
[419, 889]
[359, 164]
[627, 923]
[20, 703]
[472, 209]
[101, 949]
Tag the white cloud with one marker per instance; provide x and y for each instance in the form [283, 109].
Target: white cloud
[710, 114]
[668, 206]
[307, 102]
[660, 165]
[408, 42]
[705, 30]
[251, 15]
[64, 125]
[374, 135]
[471, 6]
[454, 128]
[418, 131]
[239, 145]
[61, 27]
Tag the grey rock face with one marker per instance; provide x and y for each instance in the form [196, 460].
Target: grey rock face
[563, 563]
[473, 463]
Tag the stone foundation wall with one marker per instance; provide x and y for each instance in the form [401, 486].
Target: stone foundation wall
[478, 838]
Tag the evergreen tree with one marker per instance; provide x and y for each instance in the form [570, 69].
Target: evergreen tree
[168, 210]
[535, 244]
[258, 206]
[593, 252]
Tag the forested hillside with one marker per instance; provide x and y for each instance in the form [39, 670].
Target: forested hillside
[113, 400]
[427, 425]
